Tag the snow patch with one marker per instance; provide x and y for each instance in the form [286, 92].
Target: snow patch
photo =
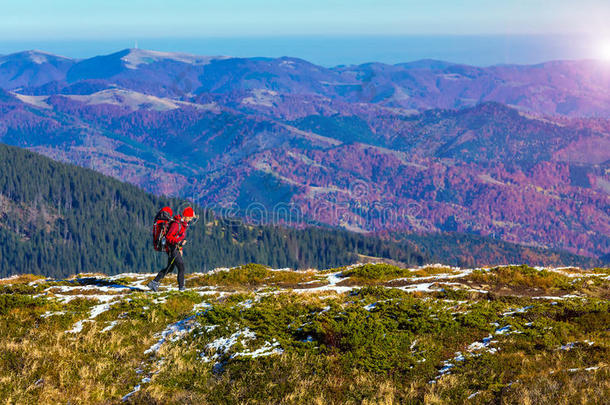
[369, 307]
[49, 313]
[571, 345]
[288, 64]
[246, 304]
[177, 329]
[36, 101]
[485, 343]
[517, 311]
[266, 350]
[172, 333]
[333, 279]
[421, 287]
[136, 101]
[503, 330]
[261, 97]
[221, 345]
[95, 312]
[110, 326]
[102, 297]
[135, 389]
[550, 297]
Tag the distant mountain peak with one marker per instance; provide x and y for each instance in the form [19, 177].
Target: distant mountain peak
[432, 64]
[34, 56]
[134, 57]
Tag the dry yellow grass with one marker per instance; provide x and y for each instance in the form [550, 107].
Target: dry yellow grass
[20, 279]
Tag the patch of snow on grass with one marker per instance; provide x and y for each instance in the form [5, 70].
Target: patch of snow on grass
[172, 333]
[67, 298]
[135, 389]
[421, 287]
[95, 312]
[571, 345]
[335, 278]
[447, 365]
[221, 345]
[16, 276]
[110, 326]
[550, 297]
[370, 306]
[177, 329]
[49, 313]
[474, 394]
[266, 350]
[517, 311]
[246, 304]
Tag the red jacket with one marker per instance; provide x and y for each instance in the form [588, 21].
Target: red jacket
[176, 231]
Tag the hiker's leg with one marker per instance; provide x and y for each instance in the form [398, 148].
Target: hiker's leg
[180, 265]
[167, 269]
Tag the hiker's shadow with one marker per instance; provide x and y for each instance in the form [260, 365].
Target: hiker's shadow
[100, 282]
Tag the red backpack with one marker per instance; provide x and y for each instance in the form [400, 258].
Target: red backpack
[161, 225]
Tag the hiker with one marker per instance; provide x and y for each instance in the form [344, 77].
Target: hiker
[174, 243]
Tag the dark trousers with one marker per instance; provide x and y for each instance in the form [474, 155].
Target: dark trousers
[174, 259]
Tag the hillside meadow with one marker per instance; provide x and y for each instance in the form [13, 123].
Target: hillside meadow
[368, 333]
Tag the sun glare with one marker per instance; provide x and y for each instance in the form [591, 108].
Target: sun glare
[604, 49]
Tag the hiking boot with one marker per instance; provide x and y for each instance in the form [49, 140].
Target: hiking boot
[153, 285]
[181, 288]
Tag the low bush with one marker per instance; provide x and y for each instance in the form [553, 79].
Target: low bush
[523, 276]
[376, 272]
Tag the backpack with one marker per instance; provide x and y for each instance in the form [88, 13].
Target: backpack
[161, 225]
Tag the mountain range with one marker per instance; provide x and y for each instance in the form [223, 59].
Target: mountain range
[518, 153]
[573, 88]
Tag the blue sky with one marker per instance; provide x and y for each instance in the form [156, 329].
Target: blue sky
[68, 25]
[36, 19]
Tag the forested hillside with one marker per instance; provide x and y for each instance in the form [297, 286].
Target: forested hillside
[58, 219]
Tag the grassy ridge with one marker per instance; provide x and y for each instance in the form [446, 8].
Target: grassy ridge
[372, 344]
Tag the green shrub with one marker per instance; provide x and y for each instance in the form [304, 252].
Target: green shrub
[248, 274]
[9, 302]
[523, 276]
[378, 272]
